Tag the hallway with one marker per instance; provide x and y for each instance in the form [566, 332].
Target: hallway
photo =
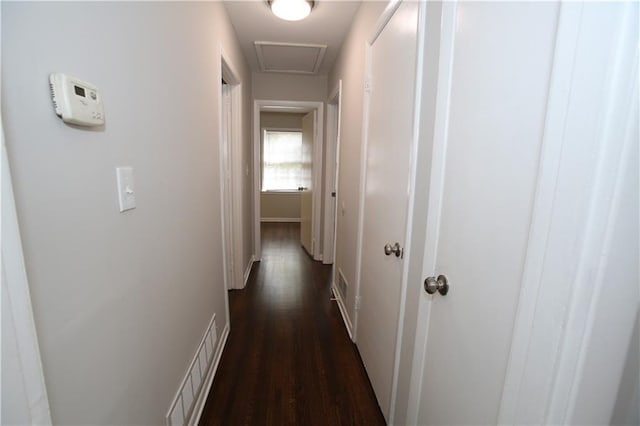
[470, 169]
[288, 359]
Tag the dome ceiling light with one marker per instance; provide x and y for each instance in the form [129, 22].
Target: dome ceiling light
[291, 10]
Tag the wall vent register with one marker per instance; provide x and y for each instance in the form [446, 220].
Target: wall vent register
[76, 101]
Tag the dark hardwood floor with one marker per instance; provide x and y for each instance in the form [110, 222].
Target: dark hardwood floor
[288, 358]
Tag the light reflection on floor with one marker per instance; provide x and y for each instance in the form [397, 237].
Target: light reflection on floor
[284, 269]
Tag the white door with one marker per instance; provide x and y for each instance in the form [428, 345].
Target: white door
[389, 140]
[495, 120]
[495, 76]
[227, 196]
[306, 185]
[331, 182]
[499, 77]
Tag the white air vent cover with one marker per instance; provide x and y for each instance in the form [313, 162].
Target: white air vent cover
[290, 57]
[342, 285]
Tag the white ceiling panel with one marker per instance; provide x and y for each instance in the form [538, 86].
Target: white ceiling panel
[289, 57]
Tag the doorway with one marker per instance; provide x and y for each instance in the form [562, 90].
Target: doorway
[331, 175]
[311, 190]
[231, 175]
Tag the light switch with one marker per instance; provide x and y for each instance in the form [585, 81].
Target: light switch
[126, 189]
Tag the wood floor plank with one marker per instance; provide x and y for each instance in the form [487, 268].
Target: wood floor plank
[288, 358]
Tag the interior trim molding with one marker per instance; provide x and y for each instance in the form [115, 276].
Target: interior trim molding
[280, 219]
[15, 291]
[384, 19]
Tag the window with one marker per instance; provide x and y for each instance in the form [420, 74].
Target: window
[281, 160]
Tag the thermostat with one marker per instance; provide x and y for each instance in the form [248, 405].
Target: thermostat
[76, 101]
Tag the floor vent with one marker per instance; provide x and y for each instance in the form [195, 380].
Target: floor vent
[342, 285]
[181, 408]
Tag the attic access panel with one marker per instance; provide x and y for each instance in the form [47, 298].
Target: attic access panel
[289, 57]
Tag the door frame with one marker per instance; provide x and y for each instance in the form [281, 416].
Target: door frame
[16, 291]
[575, 295]
[425, 243]
[554, 397]
[332, 174]
[230, 197]
[383, 20]
[289, 106]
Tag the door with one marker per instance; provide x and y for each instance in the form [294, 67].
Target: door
[389, 140]
[306, 185]
[331, 182]
[496, 75]
[496, 111]
[227, 197]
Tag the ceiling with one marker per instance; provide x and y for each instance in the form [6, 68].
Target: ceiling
[327, 25]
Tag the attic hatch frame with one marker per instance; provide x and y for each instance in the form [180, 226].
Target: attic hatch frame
[263, 60]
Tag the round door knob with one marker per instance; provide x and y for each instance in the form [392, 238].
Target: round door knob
[433, 284]
[395, 249]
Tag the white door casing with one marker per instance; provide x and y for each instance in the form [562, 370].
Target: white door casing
[569, 346]
[231, 173]
[307, 185]
[227, 192]
[388, 141]
[27, 401]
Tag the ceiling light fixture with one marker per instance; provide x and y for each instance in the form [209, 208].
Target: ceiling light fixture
[291, 10]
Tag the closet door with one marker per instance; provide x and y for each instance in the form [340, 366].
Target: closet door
[496, 61]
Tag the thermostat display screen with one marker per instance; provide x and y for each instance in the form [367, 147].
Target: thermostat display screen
[79, 91]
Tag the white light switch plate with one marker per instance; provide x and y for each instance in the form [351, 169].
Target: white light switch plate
[126, 189]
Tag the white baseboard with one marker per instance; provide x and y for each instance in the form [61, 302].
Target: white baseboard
[343, 310]
[280, 219]
[247, 271]
[202, 398]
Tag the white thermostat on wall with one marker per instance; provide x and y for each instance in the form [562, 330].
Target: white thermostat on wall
[76, 101]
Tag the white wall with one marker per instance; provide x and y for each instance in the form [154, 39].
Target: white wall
[276, 206]
[120, 300]
[281, 120]
[289, 87]
[350, 67]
